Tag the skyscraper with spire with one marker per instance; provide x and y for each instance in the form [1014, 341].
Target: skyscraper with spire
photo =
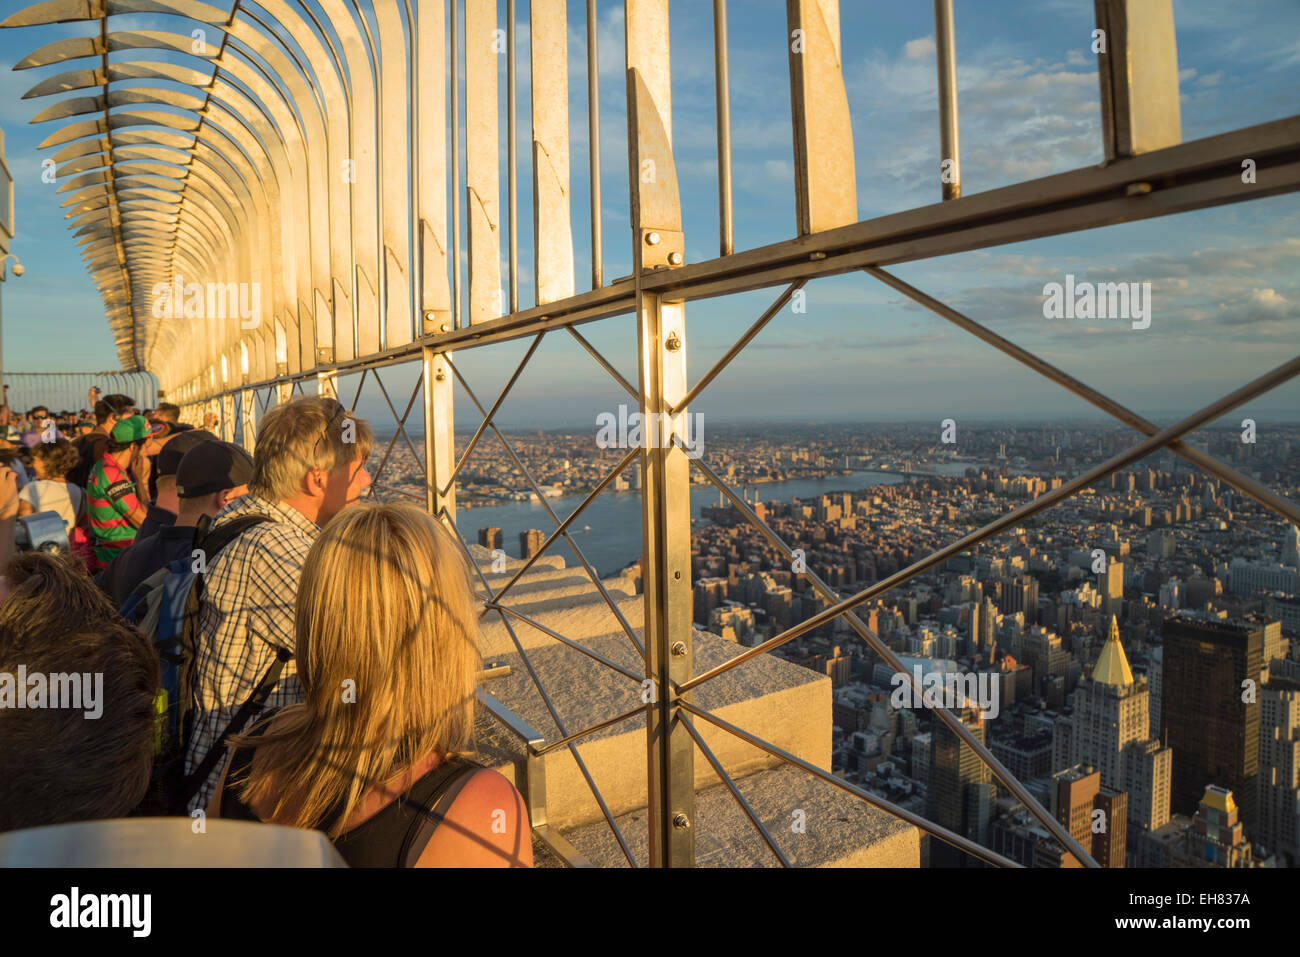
[1110, 731]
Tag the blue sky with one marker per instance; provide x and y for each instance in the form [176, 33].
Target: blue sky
[1225, 282]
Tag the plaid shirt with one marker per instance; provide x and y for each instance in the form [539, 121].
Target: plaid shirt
[246, 613]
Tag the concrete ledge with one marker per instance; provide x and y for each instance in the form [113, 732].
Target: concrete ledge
[578, 617]
[840, 830]
[773, 699]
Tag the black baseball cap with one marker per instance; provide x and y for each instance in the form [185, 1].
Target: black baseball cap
[170, 455]
[212, 467]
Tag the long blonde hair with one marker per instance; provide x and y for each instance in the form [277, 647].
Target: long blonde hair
[387, 652]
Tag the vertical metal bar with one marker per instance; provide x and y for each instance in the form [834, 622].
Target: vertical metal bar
[722, 82]
[248, 409]
[666, 562]
[665, 497]
[552, 216]
[1137, 65]
[945, 42]
[593, 142]
[826, 192]
[439, 435]
[483, 159]
[454, 33]
[512, 157]
[431, 114]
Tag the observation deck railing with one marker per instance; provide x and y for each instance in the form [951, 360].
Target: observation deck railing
[362, 274]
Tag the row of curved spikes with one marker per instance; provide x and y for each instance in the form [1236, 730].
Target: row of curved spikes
[283, 175]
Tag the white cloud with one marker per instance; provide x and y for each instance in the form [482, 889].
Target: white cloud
[920, 48]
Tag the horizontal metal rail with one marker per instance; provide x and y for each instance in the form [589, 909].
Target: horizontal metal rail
[1192, 175]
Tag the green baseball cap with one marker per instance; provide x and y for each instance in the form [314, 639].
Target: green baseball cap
[131, 429]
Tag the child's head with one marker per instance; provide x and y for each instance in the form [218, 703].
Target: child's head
[54, 460]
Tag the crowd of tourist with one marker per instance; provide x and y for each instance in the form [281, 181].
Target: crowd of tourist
[270, 649]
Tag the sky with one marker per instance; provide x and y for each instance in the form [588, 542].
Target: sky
[1225, 287]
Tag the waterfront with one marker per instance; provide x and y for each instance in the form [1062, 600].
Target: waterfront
[614, 538]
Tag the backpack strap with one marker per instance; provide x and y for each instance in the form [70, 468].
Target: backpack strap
[247, 712]
[434, 797]
[212, 542]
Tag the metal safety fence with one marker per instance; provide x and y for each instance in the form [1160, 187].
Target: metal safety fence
[364, 275]
[70, 391]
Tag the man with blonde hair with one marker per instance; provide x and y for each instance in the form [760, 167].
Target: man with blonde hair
[308, 465]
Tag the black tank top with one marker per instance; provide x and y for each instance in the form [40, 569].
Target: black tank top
[396, 835]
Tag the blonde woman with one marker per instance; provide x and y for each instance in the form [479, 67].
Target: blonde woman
[388, 658]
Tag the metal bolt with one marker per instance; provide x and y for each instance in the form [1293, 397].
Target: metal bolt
[1137, 189]
[673, 343]
[679, 648]
[817, 257]
[445, 327]
[429, 317]
[681, 821]
[652, 239]
[674, 259]
[440, 376]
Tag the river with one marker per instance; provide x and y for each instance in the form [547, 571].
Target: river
[614, 537]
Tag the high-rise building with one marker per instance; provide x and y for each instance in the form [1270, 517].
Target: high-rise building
[1278, 820]
[708, 594]
[1217, 836]
[921, 758]
[1110, 730]
[1285, 610]
[1110, 838]
[1155, 680]
[1044, 654]
[1022, 596]
[1275, 646]
[839, 668]
[1207, 713]
[1148, 778]
[1291, 546]
[960, 793]
[988, 618]
[1077, 798]
[530, 543]
[1112, 588]
[489, 537]
[1074, 791]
